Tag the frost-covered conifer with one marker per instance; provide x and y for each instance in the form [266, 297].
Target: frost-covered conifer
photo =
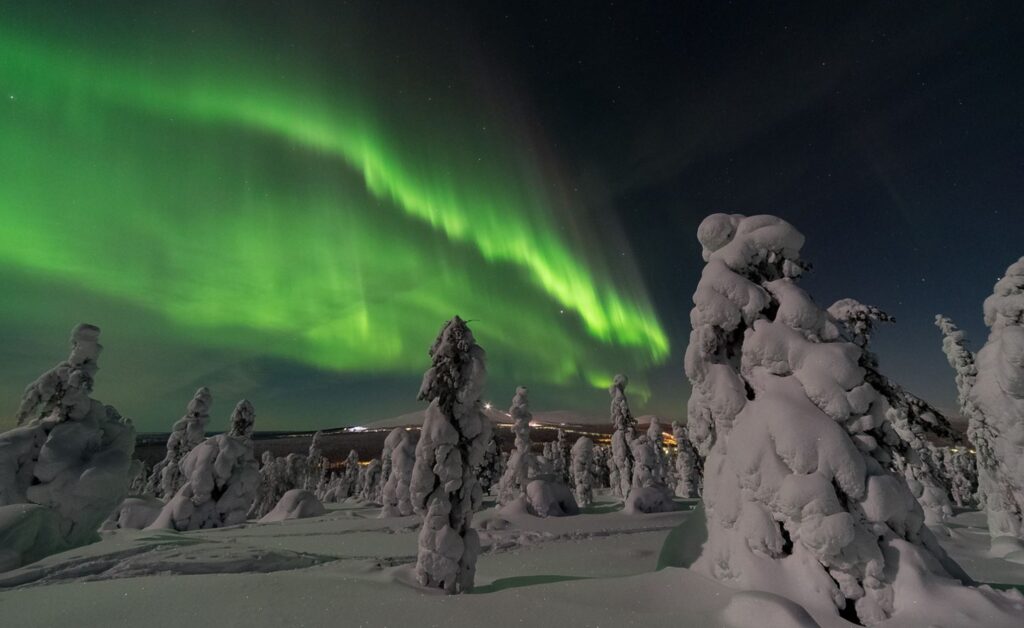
[599, 467]
[221, 479]
[316, 464]
[654, 436]
[455, 433]
[622, 437]
[687, 470]
[492, 468]
[395, 494]
[997, 395]
[582, 461]
[350, 477]
[911, 418]
[963, 475]
[520, 462]
[69, 459]
[186, 433]
[648, 492]
[370, 489]
[563, 453]
[799, 496]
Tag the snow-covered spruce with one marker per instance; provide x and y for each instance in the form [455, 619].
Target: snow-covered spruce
[599, 467]
[687, 470]
[186, 433]
[563, 455]
[520, 462]
[444, 488]
[654, 436]
[370, 488]
[998, 395]
[622, 438]
[67, 465]
[582, 461]
[910, 417]
[648, 492]
[221, 479]
[350, 477]
[798, 493]
[316, 464]
[493, 465]
[962, 474]
[395, 495]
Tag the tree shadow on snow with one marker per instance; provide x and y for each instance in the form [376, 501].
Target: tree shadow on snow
[523, 581]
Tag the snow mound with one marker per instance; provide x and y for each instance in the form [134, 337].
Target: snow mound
[295, 504]
[550, 499]
[757, 608]
[135, 513]
[648, 499]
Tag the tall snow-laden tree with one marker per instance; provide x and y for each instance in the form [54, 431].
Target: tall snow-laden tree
[622, 437]
[316, 464]
[582, 461]
[67, 465]
[444, 487]
[998, 398]
[520, 462]
[687, 471]
[963, 475]
[799, 493]
[660, 469]
[350, 477]
[186, 433]
[221, 479]
[493, 465]
[395, 495]
[370, 490]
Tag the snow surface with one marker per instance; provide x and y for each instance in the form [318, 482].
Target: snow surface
[351, 568]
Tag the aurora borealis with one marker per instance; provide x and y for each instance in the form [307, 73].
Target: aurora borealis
[286, 200]
[244, 200]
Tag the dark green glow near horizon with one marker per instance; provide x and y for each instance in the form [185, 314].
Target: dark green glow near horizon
[254, 207]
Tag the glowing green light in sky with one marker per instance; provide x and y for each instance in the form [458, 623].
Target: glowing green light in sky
[255, 206]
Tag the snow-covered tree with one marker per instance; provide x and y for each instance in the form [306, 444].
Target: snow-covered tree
[269, 490]
[997, 395]
[599, 467]
[455, 433]
[492, 467]
[221, 479]
[799, 494]
[370, 487]
[648, 491]
[654, 436]
[687, 470]
[962, 474]
[350, 478]
[520, 462]
[582, 461]
[395, 495]
[622, 437]
[316, 464]
[186, 433]
[68, 460]
[563, 454]
[910, 416]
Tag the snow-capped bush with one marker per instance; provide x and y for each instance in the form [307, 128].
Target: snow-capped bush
[799, 496]
[582, 461]
[221, 479]
[520, 462]
[455, 433]
[67, 465]
[687, 470]
[296, 503]
[622, 437]
[395, 494]
[998, 396]
[186, 433]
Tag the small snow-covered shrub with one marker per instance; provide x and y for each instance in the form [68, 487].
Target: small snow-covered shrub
[294, 504]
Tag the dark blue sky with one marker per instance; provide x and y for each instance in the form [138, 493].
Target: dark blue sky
[890, 134]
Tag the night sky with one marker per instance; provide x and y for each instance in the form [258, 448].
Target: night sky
[284, 201]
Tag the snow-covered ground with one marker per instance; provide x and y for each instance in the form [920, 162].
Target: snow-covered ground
[351, 568]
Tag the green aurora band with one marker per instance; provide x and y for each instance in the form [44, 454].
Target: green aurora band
[252, 203]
